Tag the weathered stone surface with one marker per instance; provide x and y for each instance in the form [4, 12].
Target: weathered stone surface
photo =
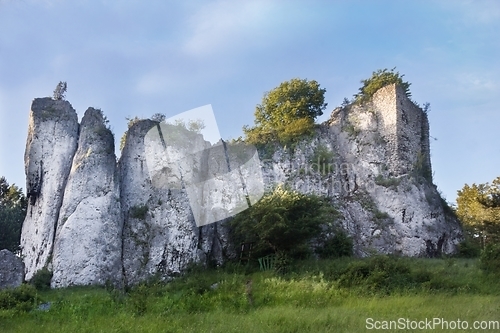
[51, 144]
[378, 175]
[88, 245]
[160, 234]
[11, 270]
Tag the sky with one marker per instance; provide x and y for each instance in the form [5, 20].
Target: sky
[137, 58]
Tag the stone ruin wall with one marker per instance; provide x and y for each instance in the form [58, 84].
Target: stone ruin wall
[405, 128]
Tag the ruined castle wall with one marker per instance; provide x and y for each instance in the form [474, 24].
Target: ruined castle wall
[384, 104]
[425, 144]
[409, 132]
[405, 128]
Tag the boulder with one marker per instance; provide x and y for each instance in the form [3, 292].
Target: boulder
[11, 270]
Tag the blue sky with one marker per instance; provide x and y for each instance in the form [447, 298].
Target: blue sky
[137, 58]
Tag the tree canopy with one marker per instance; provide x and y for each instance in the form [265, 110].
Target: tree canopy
[283, 221]
[478, 207]
[380, 79]
[287, 112]
[13, 206]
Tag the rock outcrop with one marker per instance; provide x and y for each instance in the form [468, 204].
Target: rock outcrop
[88, 244]
[93, 220]
[51, 145]
[160, 234]
[11, 270]
[373, 162]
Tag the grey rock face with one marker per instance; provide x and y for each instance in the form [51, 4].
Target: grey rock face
[88, 246]
[160, 234]
[373, 162]
[51, 144]
[11, 270]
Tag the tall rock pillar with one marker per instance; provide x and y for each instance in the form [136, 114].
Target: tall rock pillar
[88, 245]
[50, 147]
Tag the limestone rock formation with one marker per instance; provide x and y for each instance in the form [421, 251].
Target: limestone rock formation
[373, 162]
[92, 220]
[160, 234]
[52, 140]
[88, 245]
[11, 270]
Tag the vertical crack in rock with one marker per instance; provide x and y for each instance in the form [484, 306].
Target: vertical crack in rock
[91, 204]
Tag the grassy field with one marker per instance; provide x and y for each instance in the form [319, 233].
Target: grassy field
[348, 295]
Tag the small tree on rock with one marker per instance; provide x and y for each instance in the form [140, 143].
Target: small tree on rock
[60, 91]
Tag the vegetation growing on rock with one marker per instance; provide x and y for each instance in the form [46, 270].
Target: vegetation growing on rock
[380, 79]
[287, 112]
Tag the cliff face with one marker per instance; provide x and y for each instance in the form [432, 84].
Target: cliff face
[160, 234]
[51, 144]
[88, 245]
[93, 220]
[373, 162]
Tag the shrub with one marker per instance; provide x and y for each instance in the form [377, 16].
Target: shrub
[387, 182]
[139, 299]
[138, 212]
[340, 245]
[380, 79]
[322, 160]
[377, 274]
[41, 279]
[282, 221]
[490, 258]
[23, 298]
[467, 249]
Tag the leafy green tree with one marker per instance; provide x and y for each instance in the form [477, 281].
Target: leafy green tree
[478, 207]
[287, 112]
[282, 222]
[60, 91]
[380, 79]
[13, 205]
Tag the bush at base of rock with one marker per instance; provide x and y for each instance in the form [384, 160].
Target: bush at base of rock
[41, 279]
[23, 298]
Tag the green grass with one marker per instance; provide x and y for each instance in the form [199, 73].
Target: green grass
[310, 298]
